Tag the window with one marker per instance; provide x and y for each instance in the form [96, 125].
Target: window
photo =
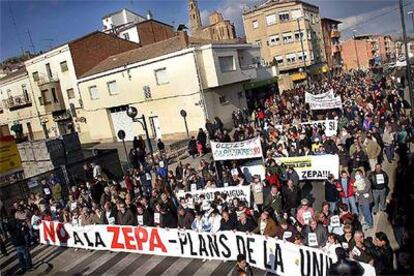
[55, 99]
[147, 92]
[64, 66]
[112, 87]
[283, 16]
[93, 92]
[300, 56]
[41, 102]
[25, 93]
[296, 14]
[291, 58]
[46, 97]
[223, 100]
[126, 36]
[270, 19]
[35, 76]
[287, 38]
[48, 70]
[273, 40]
[227, 64]
[279, 59]
[161, 76]
[298, 35]
[309, 35]
[258, 43]
[255, 24]
[71, 93]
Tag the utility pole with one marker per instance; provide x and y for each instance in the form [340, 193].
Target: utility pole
[31, 42]
[356, 49]
[411, 14]
[303, 52]
[407, 58]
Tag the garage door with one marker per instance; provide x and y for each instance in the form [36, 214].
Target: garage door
[120, 120]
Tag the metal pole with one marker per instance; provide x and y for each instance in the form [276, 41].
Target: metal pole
[126, 153]
[356, 50]
[407, 58]
[411, 13]
[148, 139]
[301, 45]
[186, 127]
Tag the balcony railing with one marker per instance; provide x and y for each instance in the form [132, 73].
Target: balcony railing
[14, 102]
[47, 79]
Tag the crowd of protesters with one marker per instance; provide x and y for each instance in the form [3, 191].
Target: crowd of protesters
[373, 126]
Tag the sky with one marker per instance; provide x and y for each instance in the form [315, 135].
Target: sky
[54, 22]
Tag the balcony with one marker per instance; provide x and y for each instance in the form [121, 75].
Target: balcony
[43, 80]
[335, 34]
[336, 49]
[17, 102]
[52, 98]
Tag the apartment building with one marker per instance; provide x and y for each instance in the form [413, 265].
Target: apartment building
[289, 34]
[333, 49]
[399, 47]
[136, 28]
[44, 98]
[153, 79]
[366, 51]
[17, 105]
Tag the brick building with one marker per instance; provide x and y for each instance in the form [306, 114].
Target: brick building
[218, 28]
[366, 51]
[333, 50]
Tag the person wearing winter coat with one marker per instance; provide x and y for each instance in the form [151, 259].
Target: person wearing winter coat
[379, 248]
[331, 193]
[257, 190]
[373, 150]
[185, 218]
[346, 190]
[315, 234]
[379, 182]
[364, 196]
[125, 216]
[291, 196]
[266, 226]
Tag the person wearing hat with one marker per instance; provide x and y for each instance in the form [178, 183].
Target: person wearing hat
[305, 212]
[266, 226]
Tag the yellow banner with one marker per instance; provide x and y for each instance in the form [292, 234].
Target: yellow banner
[10, 161]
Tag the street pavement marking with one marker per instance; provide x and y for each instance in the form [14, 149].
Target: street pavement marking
[162, 266]
[134, 265]
[95, 264]
[223, 269]
[177, 267]
[152, 262]
[192, 267]
[207, 267]
[125, 262]
[115, 259]
[85, 260]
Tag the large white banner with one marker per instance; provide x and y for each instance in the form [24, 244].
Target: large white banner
[323, 101]
[313, 166]
[329, 126]
[317, 97]
[237, 150]
[241, 192]
[276, 256]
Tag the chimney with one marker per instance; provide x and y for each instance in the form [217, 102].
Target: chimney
[149, 15]
[183, 38]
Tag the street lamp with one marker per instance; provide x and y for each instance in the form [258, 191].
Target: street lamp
[132, 113]
[356, 49]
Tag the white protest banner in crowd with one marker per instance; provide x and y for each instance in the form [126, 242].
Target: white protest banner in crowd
[241, 192]
[276, 256]
[317, 97]
[326, 104]
[323, 101]
[329, 126]
[313, 166]
[237, 150]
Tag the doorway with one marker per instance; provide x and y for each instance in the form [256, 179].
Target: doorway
[29, 131]
[155, 127]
